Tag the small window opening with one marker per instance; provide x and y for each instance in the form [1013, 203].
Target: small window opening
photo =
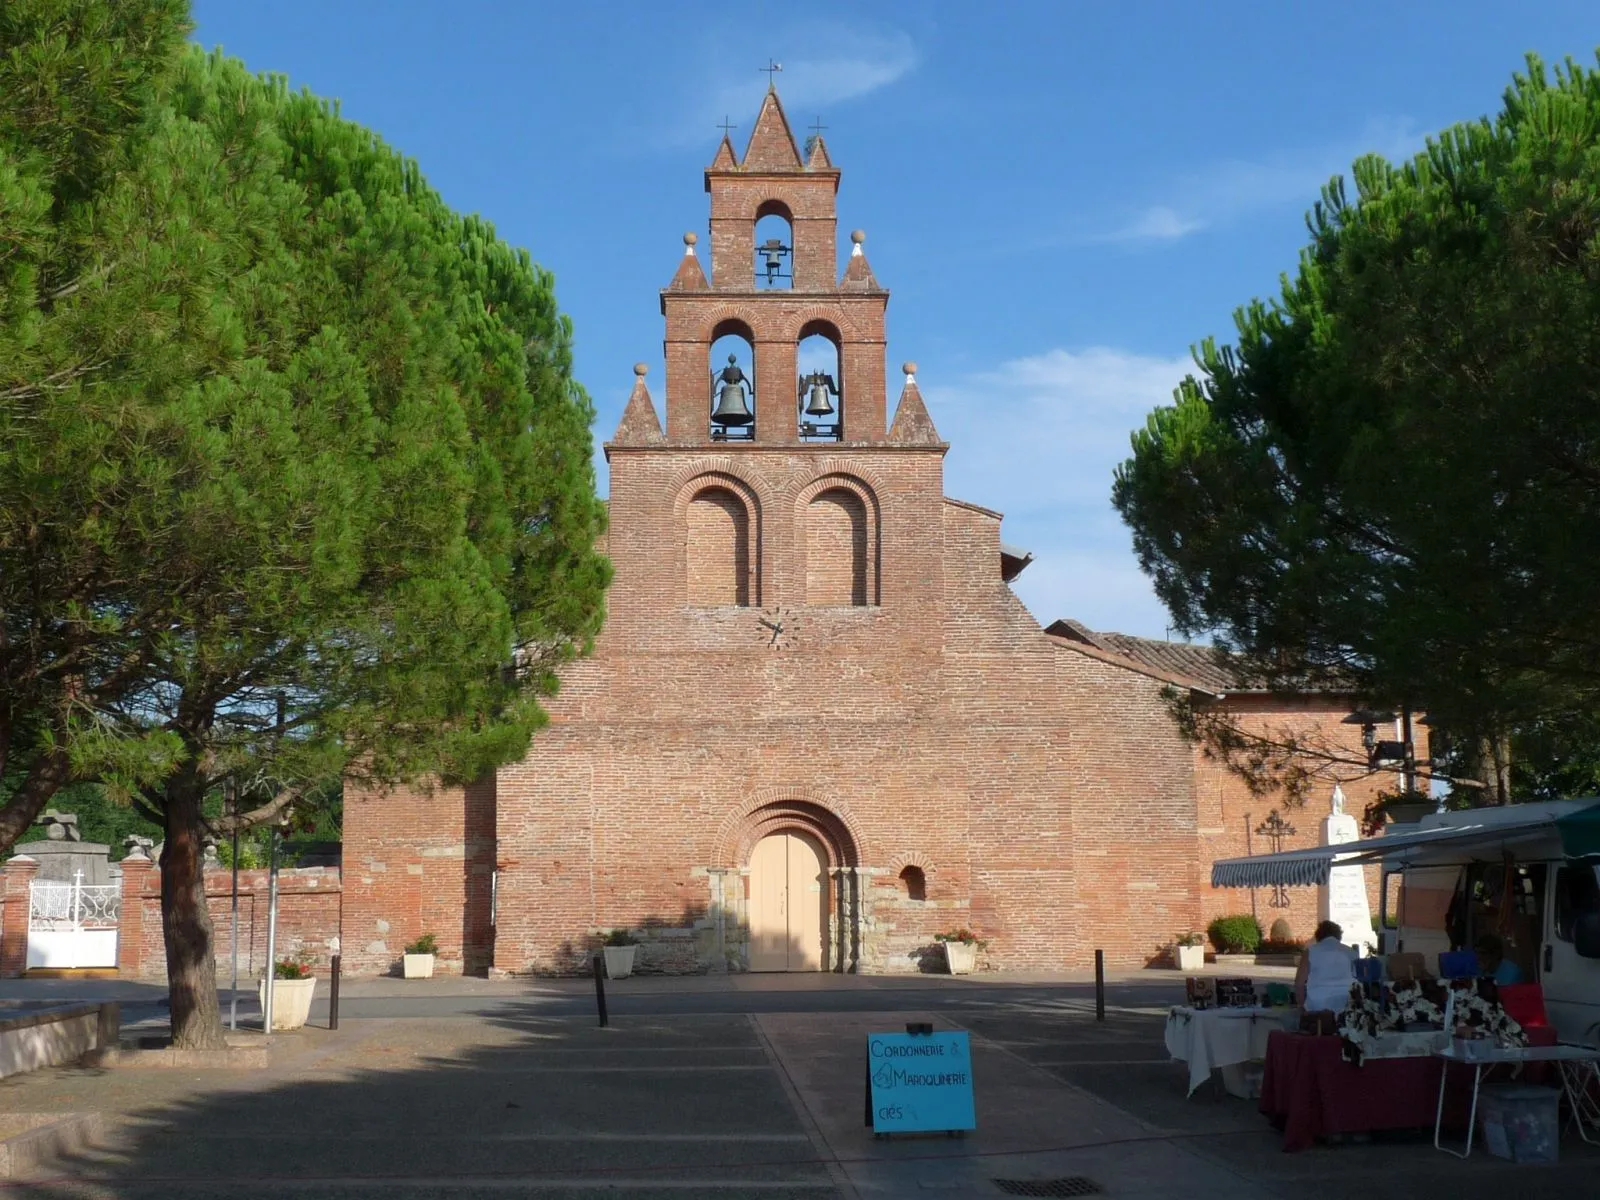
[915, 883]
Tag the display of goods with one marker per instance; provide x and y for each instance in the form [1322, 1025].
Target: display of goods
[1236, 993]
[1201, 990]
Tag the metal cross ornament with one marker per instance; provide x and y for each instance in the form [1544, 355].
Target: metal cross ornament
[1275, 829]
[772, 68]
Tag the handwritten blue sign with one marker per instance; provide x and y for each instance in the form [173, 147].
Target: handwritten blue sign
[921, 1083]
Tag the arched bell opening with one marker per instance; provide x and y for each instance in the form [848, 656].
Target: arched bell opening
[774, 244]
[733, 383]
[820, 404]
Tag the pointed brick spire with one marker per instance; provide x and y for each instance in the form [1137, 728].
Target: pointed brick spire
[639, 425]
[771, 145]
[818, 159]
[724, 161]
[912, 424]
[690, 276]
[858, 275]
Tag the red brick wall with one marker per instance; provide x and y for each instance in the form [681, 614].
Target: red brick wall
[418, 860]
[1229, 813]
[308, 917]
[1044, 792]
[717, 536]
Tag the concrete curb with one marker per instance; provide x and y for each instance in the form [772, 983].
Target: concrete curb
[234, 1058]
[45, 1136]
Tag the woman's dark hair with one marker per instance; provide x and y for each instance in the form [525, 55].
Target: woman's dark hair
[1489, 945]
[1328, 929]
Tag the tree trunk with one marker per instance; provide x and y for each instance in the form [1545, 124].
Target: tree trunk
[46, 775]
[186, 923]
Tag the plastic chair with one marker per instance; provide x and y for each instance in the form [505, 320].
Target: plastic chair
[1458, 964]
[1524, 1004]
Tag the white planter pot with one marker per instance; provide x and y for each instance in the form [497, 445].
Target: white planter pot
[1190, 958]
[960, 957]
[417, 966]
[291, 1001]
[619, 961]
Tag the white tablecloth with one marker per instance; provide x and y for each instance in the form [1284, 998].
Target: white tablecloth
[1219, 1037]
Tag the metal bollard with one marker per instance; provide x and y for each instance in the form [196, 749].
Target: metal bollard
[600, 988]
[1099, 985]
[333, 994]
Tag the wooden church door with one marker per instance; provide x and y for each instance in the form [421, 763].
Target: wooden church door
[788, 901]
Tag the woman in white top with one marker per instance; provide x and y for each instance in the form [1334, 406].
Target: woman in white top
[1327, 969]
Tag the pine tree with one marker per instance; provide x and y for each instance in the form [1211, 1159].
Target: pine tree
[294, 477]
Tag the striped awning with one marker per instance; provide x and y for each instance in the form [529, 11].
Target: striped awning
[1486, 839]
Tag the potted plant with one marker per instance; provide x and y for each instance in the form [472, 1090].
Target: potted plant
[620, 947]
[292, 990]
[418, 960]
[961, 948]
[1190, 951]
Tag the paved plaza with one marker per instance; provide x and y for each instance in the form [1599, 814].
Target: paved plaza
[703, 1087]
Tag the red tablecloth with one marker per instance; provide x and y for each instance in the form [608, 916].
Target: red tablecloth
[1308, 1090]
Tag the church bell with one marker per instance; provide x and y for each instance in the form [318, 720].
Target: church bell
[731, 407]
[817, 403]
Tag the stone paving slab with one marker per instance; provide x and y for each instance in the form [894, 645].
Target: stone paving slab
[1031, 1124]
[524, 1106]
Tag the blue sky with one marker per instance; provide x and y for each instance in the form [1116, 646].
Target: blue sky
[1063, 197]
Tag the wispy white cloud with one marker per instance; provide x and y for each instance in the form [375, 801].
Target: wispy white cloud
[827, 64]
[1038, 438]
[1233, 188]
[1158, 224]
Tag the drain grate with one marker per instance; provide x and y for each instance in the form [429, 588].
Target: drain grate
[1076, 1185]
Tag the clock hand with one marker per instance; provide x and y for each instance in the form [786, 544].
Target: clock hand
[770, 625]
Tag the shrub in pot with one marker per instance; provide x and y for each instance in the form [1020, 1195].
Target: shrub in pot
[961, 948]
[1190, 951]
[1238, 934]
[619, 946]
[292, 992]
[417, 963]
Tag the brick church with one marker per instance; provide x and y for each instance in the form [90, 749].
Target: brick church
[819, 728]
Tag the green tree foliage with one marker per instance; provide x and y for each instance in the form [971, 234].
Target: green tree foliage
[294, 478]
[1392, 482]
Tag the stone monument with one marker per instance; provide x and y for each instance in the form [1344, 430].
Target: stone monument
[62, 854]
[1344, 898]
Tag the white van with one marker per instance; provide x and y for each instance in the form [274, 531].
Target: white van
[1509, 875]
[1527, 873]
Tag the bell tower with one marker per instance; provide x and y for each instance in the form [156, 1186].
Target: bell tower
[766, 296]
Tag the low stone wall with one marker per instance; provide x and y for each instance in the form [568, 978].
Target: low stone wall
[45, 1036]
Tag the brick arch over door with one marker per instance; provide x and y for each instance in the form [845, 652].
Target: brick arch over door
[837, 535]
[775, 810]
[718, 519]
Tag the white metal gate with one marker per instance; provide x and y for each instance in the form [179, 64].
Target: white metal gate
[72, 924]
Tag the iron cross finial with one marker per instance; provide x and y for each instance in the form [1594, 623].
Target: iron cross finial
[727, 127]
[817, 127]
[772, 68]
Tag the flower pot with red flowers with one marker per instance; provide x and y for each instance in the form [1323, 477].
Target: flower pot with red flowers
[293, 987]
[961, 948]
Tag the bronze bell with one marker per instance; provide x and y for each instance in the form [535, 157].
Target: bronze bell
[731, 406]
[818, 403]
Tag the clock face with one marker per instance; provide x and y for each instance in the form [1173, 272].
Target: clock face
[777, 627]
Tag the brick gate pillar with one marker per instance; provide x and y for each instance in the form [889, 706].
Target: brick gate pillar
[136, 870]
[19, 873]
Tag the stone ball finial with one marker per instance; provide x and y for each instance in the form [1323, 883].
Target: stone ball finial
[858, 236]
[641, 369]
[689, 239]
[909, 368]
